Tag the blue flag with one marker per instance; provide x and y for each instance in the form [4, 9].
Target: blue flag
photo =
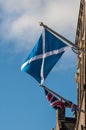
[44, 56]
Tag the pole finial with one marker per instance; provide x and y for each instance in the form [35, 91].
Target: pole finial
[41, 23]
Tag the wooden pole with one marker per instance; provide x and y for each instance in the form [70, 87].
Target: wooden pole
[68, 42]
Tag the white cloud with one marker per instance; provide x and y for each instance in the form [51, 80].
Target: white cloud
[20, 19]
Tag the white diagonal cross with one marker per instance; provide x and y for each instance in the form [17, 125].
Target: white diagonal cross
[43, 56]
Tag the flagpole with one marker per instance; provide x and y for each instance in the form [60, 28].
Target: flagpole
[71, 44]
[57, 95]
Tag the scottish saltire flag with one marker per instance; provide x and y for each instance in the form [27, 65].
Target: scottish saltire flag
[44, 56]
[54, 101]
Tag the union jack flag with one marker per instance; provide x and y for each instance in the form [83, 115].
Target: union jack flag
[71, 105]
[74, 107]
[54, 101]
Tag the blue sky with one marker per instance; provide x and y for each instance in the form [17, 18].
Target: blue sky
[23, 104]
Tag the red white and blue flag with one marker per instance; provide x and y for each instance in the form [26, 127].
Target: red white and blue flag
[57, 103]
[54, 101]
